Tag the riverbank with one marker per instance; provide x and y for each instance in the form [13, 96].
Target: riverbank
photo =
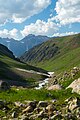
[45, 81]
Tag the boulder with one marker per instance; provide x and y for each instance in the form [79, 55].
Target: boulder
[4, 85]
[75, 85]
[55, 87]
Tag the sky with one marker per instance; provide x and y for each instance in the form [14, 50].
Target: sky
[19, 18]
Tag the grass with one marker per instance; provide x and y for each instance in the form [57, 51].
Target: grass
[32, 94]
[68, 79]
[8, 72]
[65, 58]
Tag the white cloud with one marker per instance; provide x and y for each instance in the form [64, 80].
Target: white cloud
[10, 34]
[20, 10]
[68, 11]
[40, 28]
[64, 34]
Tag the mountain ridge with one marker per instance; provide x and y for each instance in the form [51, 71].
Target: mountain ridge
[48, 53]
[18, 47]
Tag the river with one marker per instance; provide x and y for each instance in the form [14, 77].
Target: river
[45, 81]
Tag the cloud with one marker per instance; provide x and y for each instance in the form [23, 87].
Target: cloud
[40, 27]
[64, 34]
[68, 11]
[10, 34]
[19, 10]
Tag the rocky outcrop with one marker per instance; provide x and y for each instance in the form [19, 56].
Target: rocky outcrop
[75, 85]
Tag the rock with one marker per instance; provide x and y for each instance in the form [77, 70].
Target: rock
[42, 104]
[45, 119]
[4, 85]
[37, 110]
[28, 109]
[75, 85]
[74, 103]
[50, 109]
[56, 117]
[32, 104]
[70, 116]
[23, 117]
[18, 104]
[40, 115]
[33, 117]
[14, 114]
[53, 101]
[55, 87]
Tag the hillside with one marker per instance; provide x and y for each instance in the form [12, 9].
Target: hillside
[5, 51]
[57, 54]
[18, 47]
[17, 73]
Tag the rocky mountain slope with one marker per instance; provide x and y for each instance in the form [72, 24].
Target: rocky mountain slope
[17, 73]
[18, 47]
[57, 54]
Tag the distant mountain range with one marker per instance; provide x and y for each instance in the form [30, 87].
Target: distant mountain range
[56, 54]
[18, 47]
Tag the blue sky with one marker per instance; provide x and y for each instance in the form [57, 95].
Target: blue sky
[18, 18]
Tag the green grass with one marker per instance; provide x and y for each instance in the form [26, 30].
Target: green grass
[67, 56]
[62, 63]
[31, 94]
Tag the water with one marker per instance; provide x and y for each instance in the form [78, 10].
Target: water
[42, 83]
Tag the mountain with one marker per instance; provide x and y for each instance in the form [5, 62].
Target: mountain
[18, 47]
[56, 54]
[18, 73]
[5, 51]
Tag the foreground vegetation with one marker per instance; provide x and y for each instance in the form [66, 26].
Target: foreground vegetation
[20, 94]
